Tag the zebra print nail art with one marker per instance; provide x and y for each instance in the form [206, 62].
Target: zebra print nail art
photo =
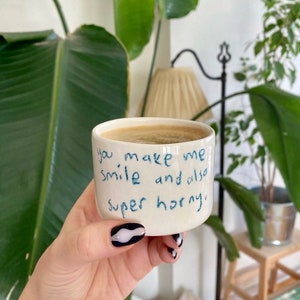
[178, 238]
[127, 234]
[173, 252]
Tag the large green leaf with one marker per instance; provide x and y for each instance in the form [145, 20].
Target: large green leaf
[277, 113]
[249, 204]
[133, 23]
[224, 238]
[134, 20]
[52, 93]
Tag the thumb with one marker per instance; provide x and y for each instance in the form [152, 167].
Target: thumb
[98, 241]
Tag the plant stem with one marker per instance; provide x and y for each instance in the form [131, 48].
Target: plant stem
[151, 68]
[201, 113]
[61, 16]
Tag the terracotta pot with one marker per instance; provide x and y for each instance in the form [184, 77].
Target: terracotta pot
[280, 218]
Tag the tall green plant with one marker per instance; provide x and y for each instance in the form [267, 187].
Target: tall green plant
[274, 51]
[277, 113]
[53, 91]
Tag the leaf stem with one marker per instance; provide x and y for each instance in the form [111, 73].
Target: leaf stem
[198, 115]
[61, 16]
[151, 68]
[48, 166]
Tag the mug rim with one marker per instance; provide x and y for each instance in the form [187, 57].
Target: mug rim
[140, 121]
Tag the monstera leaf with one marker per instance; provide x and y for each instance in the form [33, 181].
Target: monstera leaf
[52, 93]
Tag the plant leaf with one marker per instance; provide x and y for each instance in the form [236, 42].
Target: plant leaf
[134, 23]
[258, 47]
[279, 70]
[32, 36]
[225, 239]
[134, 20]
[277, 115]
[171, 9]
[243, 197]
[52, 93]
[240, 76]
[249, 203]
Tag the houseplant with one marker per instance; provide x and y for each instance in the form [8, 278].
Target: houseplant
[46, 118]
[53, 91]
[275, 50]
[277, 113]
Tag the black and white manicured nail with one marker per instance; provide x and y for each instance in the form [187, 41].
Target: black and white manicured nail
[178, 238]
[173, 252]
[127, 234]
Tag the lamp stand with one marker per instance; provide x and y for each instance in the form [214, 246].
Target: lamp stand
[223, 57]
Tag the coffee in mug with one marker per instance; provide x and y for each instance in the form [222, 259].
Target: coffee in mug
[156, 134]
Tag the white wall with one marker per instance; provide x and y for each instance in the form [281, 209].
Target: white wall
[17, 15]
[215, 21]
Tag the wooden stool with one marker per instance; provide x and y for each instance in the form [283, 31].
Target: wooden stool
[268, 266]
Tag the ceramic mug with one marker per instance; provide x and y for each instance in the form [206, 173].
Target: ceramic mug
[165, 185]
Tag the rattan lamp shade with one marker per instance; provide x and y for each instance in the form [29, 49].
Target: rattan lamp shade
[175, 92]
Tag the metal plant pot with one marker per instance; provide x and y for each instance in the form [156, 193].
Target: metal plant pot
[280, 218]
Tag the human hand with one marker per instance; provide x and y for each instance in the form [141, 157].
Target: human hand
[94, 258]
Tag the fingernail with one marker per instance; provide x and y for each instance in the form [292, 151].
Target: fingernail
[127, 234]
[178, 238]
[173, 252]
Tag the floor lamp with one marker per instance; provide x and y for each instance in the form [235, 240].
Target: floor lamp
[223, 57]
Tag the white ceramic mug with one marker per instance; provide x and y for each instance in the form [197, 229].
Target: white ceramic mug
[168, 188]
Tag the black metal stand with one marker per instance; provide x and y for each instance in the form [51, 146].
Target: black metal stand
[223, 57]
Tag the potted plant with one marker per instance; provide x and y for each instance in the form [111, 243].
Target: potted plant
[274, 51]
[279, 210]
[53, 92]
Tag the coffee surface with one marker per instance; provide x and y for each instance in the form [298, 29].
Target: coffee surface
[156, 134]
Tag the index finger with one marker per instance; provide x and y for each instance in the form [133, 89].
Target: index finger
[84, 210]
